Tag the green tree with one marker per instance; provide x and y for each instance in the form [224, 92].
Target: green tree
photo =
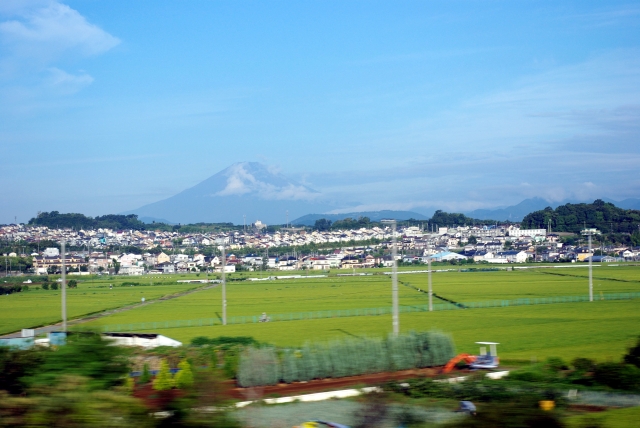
[322, 224]
[184, 378]
[16, 365]
[145, 376]
[72, 402]
[472, 240]
[88, 355]
[164, 379]
[116, 266]
[633, 356]
[72, 283]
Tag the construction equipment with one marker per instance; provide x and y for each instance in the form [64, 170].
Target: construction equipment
[483, 361]
[320, 424]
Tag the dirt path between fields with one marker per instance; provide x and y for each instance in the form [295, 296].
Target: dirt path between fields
[107, 312]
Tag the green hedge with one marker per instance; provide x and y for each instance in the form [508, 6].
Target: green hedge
[340, 358]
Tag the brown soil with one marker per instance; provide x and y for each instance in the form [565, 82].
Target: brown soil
[155, 400]
[320, 385]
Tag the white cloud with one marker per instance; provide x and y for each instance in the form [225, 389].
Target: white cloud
[65, 83]
[34, 37]
[51, 29]
[240, 182]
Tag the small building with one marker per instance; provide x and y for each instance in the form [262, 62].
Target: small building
[143, 340]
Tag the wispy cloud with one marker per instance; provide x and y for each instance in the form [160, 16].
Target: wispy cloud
[48, 30]
[36, 35]
[241, 182]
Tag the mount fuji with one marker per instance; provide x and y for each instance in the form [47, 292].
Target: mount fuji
[248, 189]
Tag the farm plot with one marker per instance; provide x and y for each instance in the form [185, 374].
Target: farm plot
[572, 329]
[601, 330]
[250, 299]
[38, 307]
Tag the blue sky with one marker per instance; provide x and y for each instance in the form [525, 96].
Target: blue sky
[109, 105]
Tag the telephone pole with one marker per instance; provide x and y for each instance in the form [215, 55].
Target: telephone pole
[63, 286]
[590, 233]
[394, 279]
[430, 289]
[224, 285]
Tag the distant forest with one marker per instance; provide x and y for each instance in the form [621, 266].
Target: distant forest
[604, 216]
[77, 221]
[439, 219]
[55, 220]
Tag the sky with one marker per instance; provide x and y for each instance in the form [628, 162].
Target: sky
[106, 106]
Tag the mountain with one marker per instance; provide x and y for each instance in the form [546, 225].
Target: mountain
[512, 213]
[627, 204]
[248, 189]
[310, 219]
[518, 212]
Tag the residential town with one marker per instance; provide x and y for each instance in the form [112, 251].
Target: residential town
[110, 251]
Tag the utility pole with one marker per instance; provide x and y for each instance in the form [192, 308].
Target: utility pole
[63, 286]
[224, 285]
[430, 289]
[589, 233]
[394, 279]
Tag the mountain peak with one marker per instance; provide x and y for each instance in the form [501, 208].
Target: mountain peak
[254, 178]
[248, 190]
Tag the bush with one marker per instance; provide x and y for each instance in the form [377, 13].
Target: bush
[556, 364]
[583, 364]
[617, 375]
[164, 379]
[258, 367]
[225, 342]
[352, 357]
[633, 356]
[54, 285]
[184, 378]
[45, 286]
[145, 376]
[530, 374]
[72, 283]
[88, 355]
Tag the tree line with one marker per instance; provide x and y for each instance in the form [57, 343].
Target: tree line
[601, 215]
[54, 220]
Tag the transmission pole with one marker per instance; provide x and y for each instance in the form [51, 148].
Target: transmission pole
[430, 289]
[63, 286]
[224, 286]
[394, 279]
[589, 233]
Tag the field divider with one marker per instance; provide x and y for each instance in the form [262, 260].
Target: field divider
[346, 313]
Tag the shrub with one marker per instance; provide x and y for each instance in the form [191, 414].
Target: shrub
[583, 364]
[54, 285]
[72, 283]
[633, 356]
[351, 357]
[617, 375]
[45, 286]
[184, 378]
[258, 366]
[164, 379]
[556, 364]
[145, 376]
[224, 342]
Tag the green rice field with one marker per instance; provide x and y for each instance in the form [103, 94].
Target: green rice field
[599, 329]
[38, 307]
